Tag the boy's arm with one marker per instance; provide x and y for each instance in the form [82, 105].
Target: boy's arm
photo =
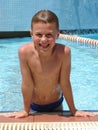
[27, 81]
[27, 86]
[66, 85]
[65, 79]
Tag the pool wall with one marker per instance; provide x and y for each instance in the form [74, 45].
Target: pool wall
[15, 16]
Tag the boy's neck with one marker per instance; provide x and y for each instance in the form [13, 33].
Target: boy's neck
[45, 56]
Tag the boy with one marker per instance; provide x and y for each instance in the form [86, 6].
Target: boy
[45, 68]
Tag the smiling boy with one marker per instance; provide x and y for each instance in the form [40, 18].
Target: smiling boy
[45, 68]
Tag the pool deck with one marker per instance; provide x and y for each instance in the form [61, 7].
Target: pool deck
[49, 117]
[49, 121]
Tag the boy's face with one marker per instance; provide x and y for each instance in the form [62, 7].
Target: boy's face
[44, 36]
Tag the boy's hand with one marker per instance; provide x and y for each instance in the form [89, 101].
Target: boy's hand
[20, 114]
[83, 114]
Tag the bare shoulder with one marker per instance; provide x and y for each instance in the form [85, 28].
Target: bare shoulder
[67, 51]
[63, 50]
[24, 50]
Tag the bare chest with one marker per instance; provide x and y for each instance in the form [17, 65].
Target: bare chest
[47, 72]
[46, 79]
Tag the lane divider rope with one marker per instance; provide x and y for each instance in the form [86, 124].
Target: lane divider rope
[92, 42]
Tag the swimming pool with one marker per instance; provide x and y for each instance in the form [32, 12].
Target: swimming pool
[92, 36]
[84, 75]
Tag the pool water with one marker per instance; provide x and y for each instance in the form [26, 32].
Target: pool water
[92, 36]
[84, 75]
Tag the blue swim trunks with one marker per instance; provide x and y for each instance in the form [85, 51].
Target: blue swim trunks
[47, 107]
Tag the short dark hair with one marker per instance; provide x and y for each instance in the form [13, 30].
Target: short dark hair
[45, 16]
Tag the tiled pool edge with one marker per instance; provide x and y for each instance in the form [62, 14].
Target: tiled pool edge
[50, 126]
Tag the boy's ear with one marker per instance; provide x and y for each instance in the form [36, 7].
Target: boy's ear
[31, 33]
[58, 35]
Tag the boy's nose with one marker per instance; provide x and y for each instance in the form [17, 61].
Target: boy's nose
[43, 38]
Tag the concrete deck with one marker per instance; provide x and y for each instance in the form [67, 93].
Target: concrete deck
[49, 117]
[49, 121]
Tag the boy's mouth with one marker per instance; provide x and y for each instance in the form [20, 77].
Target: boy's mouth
[44, 46]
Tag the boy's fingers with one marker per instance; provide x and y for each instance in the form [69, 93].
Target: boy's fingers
[11, 114]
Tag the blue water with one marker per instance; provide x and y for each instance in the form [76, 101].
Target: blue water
[92, 36]
[84, 75]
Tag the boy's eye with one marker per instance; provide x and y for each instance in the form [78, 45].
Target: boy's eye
[39, 35]
[49, 35]
[46, 35]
